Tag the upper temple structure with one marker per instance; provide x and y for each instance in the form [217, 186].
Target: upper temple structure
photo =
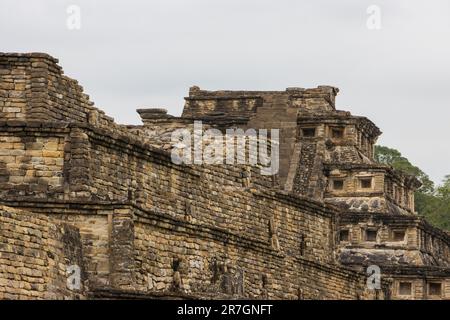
[92, 209]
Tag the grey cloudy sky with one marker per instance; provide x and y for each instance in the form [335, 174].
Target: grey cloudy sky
[130, 54]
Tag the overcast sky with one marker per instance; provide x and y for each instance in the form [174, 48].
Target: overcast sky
[130, 54]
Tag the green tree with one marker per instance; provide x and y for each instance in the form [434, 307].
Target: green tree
[443, 190]
[430, 202]
[395, 159]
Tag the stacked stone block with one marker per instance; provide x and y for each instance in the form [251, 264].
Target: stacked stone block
[109, 199]
[35, 251]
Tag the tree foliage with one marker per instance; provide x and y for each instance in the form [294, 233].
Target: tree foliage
[431, 202]
[395, 159]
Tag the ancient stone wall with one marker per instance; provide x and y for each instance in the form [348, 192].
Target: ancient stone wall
[369, 188]
[412, 288]
[35, 251]
[109, 199]
[94, 229]
[201, 103]
[395, 241]
[419, 282]
[33, 87]
[215, 195]
[31, 163]
[200, 263]
[104, 167]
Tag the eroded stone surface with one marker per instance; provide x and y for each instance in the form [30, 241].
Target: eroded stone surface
[78, 189]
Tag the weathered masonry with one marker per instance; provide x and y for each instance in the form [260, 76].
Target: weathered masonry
[77, 189]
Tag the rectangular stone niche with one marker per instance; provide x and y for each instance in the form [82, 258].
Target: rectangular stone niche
[398, 235]
[371, 235]
[405, 288]
[343, 235]
[434, 289]
[365, 183]
[309, 132]
[338, 184]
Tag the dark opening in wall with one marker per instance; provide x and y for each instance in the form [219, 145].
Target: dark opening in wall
[366, 183]
[302, 244]
[397, 194]
[398, 235]
[371, 235]
[434, 288]
[405, 288]
[309, 132]
[338, 184]
[176, 264]
[264, 281]
[344, 235]
[337, 133]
